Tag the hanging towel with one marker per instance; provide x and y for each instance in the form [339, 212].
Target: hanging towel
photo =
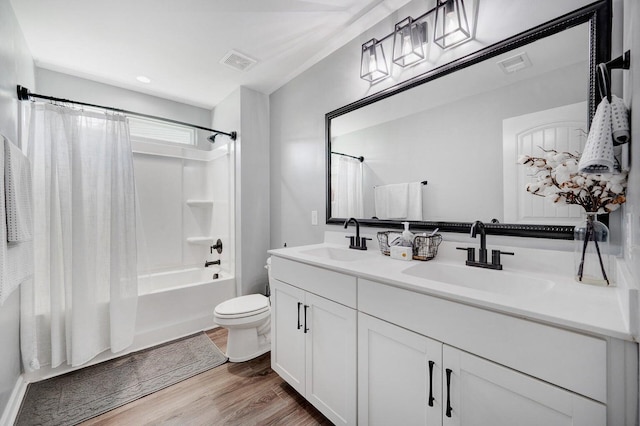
[619, 121]
[415, 201]
[598, 152]
[17, 191]
[16, 258]
[391, 201]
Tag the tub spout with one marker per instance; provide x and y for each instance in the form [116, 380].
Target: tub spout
[213, 262]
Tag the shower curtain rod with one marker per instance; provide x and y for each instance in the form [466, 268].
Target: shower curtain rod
[25, 94]
[361, 158]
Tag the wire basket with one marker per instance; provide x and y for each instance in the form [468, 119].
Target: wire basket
[426, 247]
[383, 242]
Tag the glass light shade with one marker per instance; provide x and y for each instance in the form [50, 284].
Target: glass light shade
[373, 64]
[408, 42]
[451, 24]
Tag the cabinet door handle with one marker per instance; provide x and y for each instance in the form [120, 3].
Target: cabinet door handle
[299, 325]
[305, 318]
[431, 399]
[448, 371]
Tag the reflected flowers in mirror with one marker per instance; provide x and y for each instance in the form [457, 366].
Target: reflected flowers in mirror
[557, 179]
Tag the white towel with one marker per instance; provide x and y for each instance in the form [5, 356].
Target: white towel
[16, 258]
[392, 201]
[415, 201]
[619, 121]
[598, 152]
[17, 191]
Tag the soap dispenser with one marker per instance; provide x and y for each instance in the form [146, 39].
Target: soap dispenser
[407, 236]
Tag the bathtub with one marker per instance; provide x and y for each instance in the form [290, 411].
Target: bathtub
[178, 303]
[170, 305]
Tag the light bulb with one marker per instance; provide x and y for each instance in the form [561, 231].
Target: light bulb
[406, 43]
[373, 63]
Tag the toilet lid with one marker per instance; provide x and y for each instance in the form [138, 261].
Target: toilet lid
[251, 304]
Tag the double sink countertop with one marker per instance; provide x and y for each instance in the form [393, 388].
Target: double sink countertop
[535, 284]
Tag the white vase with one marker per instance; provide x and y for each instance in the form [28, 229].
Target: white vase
[591, 251]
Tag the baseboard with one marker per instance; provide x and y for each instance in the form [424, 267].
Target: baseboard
[12, 408]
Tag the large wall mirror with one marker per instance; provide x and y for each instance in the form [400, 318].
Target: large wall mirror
[452, 136]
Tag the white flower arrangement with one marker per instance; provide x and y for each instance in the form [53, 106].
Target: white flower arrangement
[559, 180]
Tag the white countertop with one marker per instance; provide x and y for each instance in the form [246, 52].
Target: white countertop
[605, 311]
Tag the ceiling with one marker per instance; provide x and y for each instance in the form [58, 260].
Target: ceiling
[179, 44]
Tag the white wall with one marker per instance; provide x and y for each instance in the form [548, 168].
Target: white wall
[631, 210]
[247, 112]
[66, 86]
[298, 109]
[16, 67]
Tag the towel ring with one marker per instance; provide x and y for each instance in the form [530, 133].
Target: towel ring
[604, 81]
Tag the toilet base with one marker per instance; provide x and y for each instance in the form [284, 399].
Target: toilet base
[244, 344]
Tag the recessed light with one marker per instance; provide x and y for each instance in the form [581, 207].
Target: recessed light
[143, 79]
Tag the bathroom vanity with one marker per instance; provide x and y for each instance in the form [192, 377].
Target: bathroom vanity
[372, 340]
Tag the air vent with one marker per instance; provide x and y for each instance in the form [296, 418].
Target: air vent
[515, 63]
[238, 61]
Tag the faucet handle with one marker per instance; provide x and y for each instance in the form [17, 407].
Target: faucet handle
[471, 253]
[363, 242]
[351, 238]
[495, 256]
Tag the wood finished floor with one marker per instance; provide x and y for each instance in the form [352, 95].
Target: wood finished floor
[246, 393]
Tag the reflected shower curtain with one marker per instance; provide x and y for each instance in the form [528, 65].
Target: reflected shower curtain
[83, 298]
[348, 194]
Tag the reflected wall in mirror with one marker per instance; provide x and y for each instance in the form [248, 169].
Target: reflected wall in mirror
[461, 133]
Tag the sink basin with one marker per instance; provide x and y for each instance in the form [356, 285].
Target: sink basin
[335, 253]
[498, 282]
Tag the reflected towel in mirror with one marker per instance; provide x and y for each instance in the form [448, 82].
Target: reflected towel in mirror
[398, 201]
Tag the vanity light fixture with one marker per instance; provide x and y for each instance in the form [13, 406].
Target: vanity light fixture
[408, 42]
[373, 64]
[451, 24]
[451, 28]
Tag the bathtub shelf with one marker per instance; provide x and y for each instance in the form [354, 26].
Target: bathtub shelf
[200, 203]
[206, 241]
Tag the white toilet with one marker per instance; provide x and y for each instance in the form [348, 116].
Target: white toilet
[248, 319]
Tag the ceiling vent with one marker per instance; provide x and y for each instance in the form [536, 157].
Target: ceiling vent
[515, 63]
[238, 61]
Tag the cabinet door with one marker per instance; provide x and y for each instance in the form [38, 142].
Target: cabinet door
[331, 359]
[287, 338]
[484, 393]
[399, 375]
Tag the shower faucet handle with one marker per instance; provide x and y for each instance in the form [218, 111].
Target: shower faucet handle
[217, 246]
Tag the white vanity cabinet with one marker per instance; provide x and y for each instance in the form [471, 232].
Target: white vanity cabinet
[409, 379]
[494, 369]
[313, 338]
[420, 359]
[399, 375]
[480, 392]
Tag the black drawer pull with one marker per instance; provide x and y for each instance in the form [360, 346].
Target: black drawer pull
[448, 371]
[431, 399]
[299, 325]
[305, 318]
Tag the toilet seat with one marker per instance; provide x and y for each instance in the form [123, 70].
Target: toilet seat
[242, 307]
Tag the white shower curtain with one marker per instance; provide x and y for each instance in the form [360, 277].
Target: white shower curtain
[348, 200]
[83, 298]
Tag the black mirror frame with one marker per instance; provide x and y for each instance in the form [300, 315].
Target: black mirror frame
[597, 14]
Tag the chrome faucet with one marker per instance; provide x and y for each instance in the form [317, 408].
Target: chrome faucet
[355, 242]
[478, 227]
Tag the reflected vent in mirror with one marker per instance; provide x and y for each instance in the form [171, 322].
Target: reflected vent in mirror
[515, 63]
